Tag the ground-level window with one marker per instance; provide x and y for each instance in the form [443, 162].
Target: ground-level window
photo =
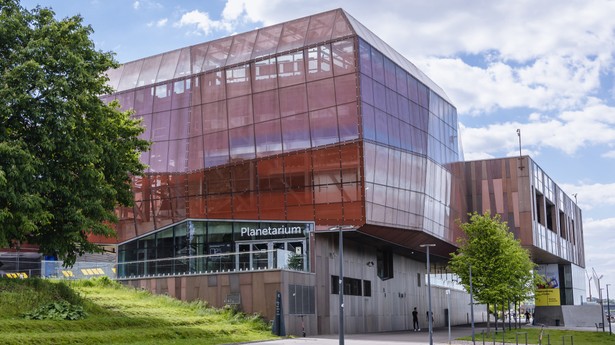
[352, 286]
[384, 264]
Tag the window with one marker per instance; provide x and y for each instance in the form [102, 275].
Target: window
[367, 288]
[352, 286]
[418, 279]
[384, 264]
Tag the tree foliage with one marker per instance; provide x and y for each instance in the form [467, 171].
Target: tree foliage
[66, 157]
[502, 271]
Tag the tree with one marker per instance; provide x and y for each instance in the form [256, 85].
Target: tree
[502, 271]
[66, 157]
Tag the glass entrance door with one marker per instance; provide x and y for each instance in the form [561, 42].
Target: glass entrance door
[260, 255]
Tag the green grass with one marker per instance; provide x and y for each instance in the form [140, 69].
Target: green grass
[118, 315]
[554, 334]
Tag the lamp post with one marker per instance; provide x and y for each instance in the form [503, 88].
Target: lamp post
[429, 315]
[339, 228]
[472, 306]
[602, 307]
[608, 307]
[448, 305]
[597, 280]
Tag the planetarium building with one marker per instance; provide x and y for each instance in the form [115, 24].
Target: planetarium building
[269, 145]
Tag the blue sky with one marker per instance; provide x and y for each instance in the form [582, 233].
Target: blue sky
[544, 67]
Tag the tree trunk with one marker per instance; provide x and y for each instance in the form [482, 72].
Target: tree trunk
[488, 320]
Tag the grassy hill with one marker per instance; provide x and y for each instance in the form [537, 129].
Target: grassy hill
[114, 315]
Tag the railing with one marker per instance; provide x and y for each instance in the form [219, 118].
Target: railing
[80, 270]
[213, 263]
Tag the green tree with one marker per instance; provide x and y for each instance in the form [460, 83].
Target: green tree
[502, 271]
[66, 157]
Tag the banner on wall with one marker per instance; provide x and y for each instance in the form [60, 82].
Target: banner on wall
[547, 292]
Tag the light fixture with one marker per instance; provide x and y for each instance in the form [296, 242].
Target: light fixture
[370, 264]
[430, 314]
[340, 229]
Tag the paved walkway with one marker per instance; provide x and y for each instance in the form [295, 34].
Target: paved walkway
[440, 336]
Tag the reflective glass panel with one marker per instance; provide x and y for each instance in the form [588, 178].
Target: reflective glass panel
[267, 41]
[214, 117]
[319, 62]
[291, 69]
[130, 74]
[241, 50]
[168, 65]
[264, 75]
[197, 56]
[149, 69]
[320, 28]
[323, 126]
[295, 132]
[293, 100]
[183, 64]
[343, 57]
[266, 106]
[241, 143]
[268, 138]
[321, 94]
[293, 35]
[217, 54]
[240, 111]
[238, 81]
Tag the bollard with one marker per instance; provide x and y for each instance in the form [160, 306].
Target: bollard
[483, 334]
[564, 339]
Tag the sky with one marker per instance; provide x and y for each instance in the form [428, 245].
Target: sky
[544, 67]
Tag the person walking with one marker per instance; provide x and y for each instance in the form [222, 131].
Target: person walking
[415, 320]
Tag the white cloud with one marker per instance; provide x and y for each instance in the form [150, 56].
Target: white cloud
[146, 4]
[204, 24]
[598, 234]
[592, 195]
[159, 23]
[568, 132]
[610, 154]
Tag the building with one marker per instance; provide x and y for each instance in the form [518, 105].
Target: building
[548, 224]
[269, 145]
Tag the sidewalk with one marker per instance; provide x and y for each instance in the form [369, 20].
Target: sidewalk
[440, 336]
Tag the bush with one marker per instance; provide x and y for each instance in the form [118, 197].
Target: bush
[56, 311]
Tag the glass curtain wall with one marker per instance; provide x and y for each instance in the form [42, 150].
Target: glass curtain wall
[410, 135]
[273, 138]
[195, 246]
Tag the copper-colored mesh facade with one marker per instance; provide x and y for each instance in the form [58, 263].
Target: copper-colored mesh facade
[304, 121]
[537, 211]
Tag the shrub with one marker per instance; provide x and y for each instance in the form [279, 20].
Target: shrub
[56, 311]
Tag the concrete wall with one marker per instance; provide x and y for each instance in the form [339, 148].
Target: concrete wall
[586, 315]
[389, 308]
[256, 290]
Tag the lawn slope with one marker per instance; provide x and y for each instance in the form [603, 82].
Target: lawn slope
[117, 315]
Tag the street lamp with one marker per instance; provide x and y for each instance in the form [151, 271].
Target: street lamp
[448, 305]
[608, 307]
[339, 228]
[472, 306]
[429, 316]
[597, 279]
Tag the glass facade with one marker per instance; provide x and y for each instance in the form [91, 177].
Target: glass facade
[410, 136]
[199, 246]
[302, 121]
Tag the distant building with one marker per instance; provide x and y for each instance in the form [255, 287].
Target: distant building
[267, 143]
